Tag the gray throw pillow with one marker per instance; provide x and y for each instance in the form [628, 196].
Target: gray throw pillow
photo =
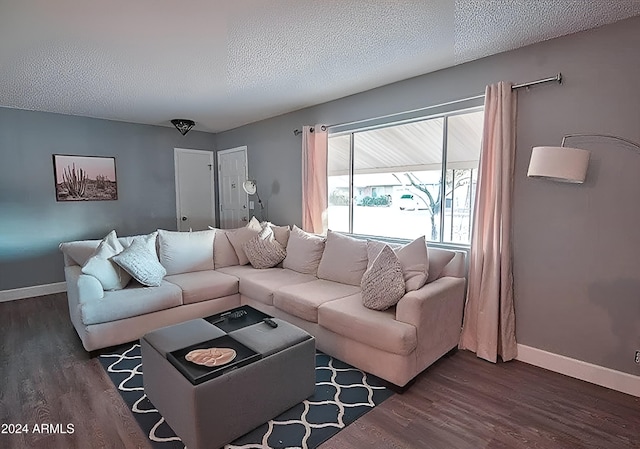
[383, 283]
[263, 250]
[141, 261]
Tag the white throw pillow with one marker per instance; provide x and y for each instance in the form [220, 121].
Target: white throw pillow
[241, 236]
[264, 251]
[344, 259]
[304, 251]
[438, 259]
[383, 282]
[415, 263]
[280, 233]
[79, 251]
[185, 252]
[223, 253]
[141, 261]
[105, 270]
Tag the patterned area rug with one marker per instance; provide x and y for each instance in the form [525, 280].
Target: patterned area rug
[343, 394]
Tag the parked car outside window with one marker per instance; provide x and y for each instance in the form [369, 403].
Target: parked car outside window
[408, 202]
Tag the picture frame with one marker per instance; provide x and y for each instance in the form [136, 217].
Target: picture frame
[85, 178]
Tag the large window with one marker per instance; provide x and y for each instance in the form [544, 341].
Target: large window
[407, 180]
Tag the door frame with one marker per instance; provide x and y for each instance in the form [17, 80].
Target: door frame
[242, 148]
[212, 181]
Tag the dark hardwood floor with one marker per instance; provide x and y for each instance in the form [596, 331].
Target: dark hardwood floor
[460, 402]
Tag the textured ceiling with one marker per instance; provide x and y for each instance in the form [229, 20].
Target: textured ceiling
[225, 64]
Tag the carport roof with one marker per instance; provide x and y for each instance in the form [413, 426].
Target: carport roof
[415, 146]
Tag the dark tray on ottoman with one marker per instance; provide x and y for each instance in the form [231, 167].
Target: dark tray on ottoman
[199, 373]
[227, 323]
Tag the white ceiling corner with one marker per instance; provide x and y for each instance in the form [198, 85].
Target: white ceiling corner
[225, 64]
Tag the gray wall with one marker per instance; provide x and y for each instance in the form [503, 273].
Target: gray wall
[577, 273]
[32, 223]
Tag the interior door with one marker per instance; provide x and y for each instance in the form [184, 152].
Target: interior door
[232, 172]
[195, 199]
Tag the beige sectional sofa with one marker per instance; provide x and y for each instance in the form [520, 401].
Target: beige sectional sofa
[395, 344]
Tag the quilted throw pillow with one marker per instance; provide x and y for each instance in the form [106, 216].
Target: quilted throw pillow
[141, 261]
[263, 250]
[103, 268]
[383, 282]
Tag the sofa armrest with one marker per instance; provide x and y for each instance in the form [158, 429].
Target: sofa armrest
[84, 287]
[436, 312]
[81, 289]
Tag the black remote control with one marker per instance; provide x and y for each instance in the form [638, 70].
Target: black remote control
[270, 322]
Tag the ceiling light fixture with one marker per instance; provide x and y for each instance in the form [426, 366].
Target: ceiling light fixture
[183, 125]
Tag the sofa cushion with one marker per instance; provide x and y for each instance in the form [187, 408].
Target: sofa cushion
[261, 285]
[383, 282]
[344, 259]
[304, 251]
[110, 275]
[303, 300]
[134, 300]
[263, 251]
[240, 236]
[223, 253]
[349, 318]
[203, 285]
[438, 259]
[141, 261]
[185, 252]
[240, 271]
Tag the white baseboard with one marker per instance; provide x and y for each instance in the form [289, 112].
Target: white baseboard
[595, 374]
[36, 290]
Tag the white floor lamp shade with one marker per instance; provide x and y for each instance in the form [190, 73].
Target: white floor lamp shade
[561, 164]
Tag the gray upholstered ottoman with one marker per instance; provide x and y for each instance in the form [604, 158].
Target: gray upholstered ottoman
[219, 410]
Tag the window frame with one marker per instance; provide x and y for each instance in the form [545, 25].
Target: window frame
[442, 111]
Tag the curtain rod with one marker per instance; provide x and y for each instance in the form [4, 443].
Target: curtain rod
[557, 78]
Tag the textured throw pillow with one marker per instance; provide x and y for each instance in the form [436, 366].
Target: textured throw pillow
[344, 259]
[304, 251]
[141, 261]
[185, 252]
[241, 236]
[264, 251]
[414, 260]
[103, 268]
[383, 283]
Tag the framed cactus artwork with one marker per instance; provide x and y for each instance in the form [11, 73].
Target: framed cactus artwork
[85, 178]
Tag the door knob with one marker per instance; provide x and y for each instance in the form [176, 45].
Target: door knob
[184, 218]
[244, 218]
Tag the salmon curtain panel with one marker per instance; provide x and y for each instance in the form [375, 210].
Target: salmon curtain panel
[489, 317]
[314, 178]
